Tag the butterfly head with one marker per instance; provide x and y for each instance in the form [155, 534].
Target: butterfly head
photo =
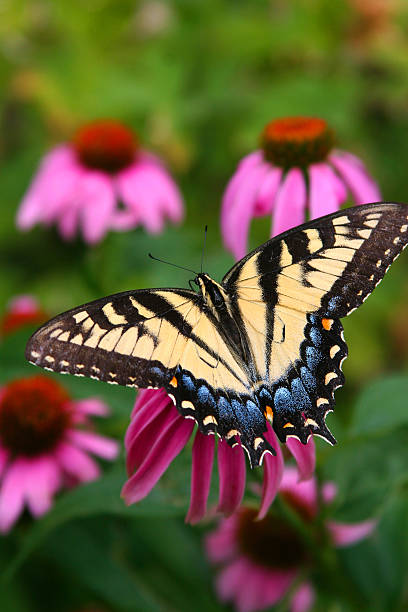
[213, 294]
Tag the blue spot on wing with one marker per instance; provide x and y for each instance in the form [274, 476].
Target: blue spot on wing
[283, 400]
[313, 357]
[204, 397]
[188, 382]
[316, 336]
[300, 395]
[308, 379]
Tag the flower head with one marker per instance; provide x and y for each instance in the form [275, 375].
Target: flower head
[261, 560]
[45, 438]
[156, 435]
[295, 168]
[21, 310]
[101, 180]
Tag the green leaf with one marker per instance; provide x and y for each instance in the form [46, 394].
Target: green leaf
[82, 555]
[381, 407]
[169, 497]
[378, 565]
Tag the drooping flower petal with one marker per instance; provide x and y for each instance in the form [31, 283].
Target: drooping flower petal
[362, 186]
[235, 221]
[41, 485]
[323, 198]
[303, 598]
[94, 443]
[303, 494]
[273, 470]
[231, 578]
[344, 534]
[232, 473]
[76, 462]
[267, 192]
[168, 445]
[305, 455]
[12, 492]
[290, 202]
[97, 199]
[203, 458]
[146, 436]
[221, 544]
[92, 406]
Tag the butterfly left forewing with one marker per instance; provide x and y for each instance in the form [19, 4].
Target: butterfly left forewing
[131, 338]
[305, 280]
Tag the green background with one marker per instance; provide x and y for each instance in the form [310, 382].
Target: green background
[198, 80]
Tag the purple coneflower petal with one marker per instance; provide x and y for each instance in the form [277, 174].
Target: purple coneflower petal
[329, 492]
[97, 197]
[339, 186]
[303, 598]
[94, 443]
[276, 584]
[290, 202]
[267, 192]
[273, 470]
[344, 534]
[304, 493]
[232, 474]
[92, 406]
[203, 458]
[305, 455]
[37, 196]
[231, 578]
[68, 221]
[12, 493]
[43, 481]
[235, 221]
[251, 597]
[144, 437]
[76, 463]
[134, 187]
[167, 446]
[221, 544]
[323, 198]
[362, 186]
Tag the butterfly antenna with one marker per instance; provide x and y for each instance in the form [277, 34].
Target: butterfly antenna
[169, 263]
[202, 253]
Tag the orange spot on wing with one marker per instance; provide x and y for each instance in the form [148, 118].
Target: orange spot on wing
[173, 382]
[288, 425]
[327, 323]
[269, 413]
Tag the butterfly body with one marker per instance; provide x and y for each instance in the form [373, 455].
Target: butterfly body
[265, 344]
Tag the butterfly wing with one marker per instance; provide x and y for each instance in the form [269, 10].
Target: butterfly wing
[290, 293]
[156, 338]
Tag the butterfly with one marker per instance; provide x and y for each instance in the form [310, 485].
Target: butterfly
[264, 344]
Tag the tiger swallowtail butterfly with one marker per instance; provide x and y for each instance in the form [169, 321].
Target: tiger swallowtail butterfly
[265, 343]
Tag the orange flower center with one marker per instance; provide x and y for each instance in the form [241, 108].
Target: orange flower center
[270, 542]
[33, 415]
[105, 144]
[296, 141]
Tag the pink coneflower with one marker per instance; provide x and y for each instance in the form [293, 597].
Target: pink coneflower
[99, 181]
[45, 438]
[21, 310]
[156, 435]
[295, 169]
[261, 560]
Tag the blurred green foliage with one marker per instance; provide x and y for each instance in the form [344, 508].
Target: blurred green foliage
[198, 80]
